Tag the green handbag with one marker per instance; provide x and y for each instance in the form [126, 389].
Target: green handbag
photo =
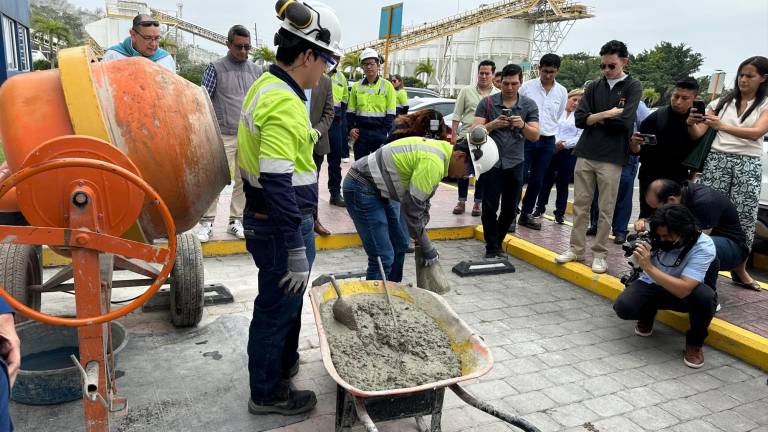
[698, 156]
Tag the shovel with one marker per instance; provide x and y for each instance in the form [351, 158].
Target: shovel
[430, 278]
[343, 311]
[386, 290]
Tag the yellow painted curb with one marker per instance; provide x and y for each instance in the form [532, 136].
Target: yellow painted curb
[741, 343]
[333, 241]
[760, 261]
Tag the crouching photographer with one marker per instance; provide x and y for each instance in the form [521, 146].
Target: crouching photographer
[679, 266]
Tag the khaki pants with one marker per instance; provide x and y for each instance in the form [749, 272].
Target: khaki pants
[587, 174]
[237, 204]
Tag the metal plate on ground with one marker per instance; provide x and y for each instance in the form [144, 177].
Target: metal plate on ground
[484, 267]
[215, 294]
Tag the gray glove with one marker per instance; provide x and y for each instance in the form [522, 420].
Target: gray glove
[296, 278]
[430, 257]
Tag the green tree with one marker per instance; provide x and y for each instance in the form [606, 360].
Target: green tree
[413, 82]
[651, 97]
[576, 69]
[666, 63]
[72, 21]
[425, 68]
[41, 64]
[53, 29]
[352, 62]
[169, 45]
[264, 54]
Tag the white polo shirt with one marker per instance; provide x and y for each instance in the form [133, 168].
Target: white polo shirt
[551, 105]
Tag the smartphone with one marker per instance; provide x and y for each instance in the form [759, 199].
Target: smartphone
[699, 106]
[649, 139]
[507, 112]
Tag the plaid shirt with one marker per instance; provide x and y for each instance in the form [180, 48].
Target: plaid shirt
[209, 79]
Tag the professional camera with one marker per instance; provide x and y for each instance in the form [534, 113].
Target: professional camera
[633, 241]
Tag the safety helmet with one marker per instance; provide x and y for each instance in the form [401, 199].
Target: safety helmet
[369, 53]
[312, 21]
[482, 149]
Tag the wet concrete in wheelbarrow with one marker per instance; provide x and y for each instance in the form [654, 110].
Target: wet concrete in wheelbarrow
[382, 356]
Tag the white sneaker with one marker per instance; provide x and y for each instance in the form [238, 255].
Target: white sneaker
[236, 228]
[567, 256]
[205, 231]
[345, 160]
[599, 264]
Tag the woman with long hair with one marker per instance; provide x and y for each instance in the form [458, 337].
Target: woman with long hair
[734, 163]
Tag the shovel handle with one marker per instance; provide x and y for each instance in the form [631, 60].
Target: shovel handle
[335, 286]
[386, 290]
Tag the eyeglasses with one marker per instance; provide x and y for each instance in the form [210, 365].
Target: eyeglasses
[246, 47]
[149, 23]
[370, 64]
[149, 38]
[330, 63]
[609, 66]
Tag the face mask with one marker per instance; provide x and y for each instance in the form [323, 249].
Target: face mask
[667, 245]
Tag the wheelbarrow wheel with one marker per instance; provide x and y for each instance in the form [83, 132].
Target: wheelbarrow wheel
[20, 267]
[187, 285]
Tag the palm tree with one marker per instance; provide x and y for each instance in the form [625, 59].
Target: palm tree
[54, 29]
[425, 68]
[169, 45]
[264, 54]
[650, 97]
[351, 61]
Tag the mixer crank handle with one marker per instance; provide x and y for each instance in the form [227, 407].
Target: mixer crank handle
[90, 376]
[362, 414]
[487, 408]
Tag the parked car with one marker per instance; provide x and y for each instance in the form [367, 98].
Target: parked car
[417, 93]
[442, 105]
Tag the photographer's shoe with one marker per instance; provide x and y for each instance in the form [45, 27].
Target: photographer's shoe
[694, 356]
[295, 402]
[599, 264]
[568, 256]
[643, 329]
[529, 221]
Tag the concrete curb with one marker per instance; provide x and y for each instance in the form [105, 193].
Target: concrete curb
[741, 343]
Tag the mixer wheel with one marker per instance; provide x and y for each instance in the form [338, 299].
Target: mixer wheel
[187, 285]
[20, 267]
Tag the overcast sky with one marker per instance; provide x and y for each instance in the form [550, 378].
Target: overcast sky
[725, 32]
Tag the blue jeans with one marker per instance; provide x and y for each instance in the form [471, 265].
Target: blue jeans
[337, 141]
[623, 210]
[559, 174]
[538, 155]
[369, 141]
[729, 253]
[377, 221]
[273, 337]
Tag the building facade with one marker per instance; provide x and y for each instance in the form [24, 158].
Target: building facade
[15, 48]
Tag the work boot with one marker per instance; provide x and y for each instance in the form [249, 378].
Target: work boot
[205, 231]
[338, 200]
[294, 402]
[592, 231]
[476, 210]
[460, 208]
[528, 221]
[560, 219]
[320, 229]
[694, 356]
[643, 329]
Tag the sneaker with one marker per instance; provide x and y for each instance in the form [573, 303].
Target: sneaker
[236, 228]
[592, 231]
[295, 402]
[643, 329]
[560, 219]
[567, 256]
[460, 208]
[338, 200]
[205, 231]
[694, 356]
[476, 210]
[619, 238]
[599, 264]
[345, 160]
[528, 221]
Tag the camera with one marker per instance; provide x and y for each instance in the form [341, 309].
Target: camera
[633, 241]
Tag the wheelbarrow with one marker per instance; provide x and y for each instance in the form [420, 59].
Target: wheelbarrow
[367, 407]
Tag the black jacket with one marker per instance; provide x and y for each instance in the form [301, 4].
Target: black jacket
[608, 141]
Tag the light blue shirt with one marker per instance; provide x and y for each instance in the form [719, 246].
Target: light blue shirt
[642, 112]
[308, 93]
[694, 265]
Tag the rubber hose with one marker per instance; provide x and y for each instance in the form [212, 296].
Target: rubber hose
[487, 408]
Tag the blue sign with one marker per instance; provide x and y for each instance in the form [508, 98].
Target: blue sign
[391, 23]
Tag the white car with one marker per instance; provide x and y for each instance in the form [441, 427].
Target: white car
[38, 55]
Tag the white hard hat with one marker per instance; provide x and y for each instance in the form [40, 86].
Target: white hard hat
[482, 149]
[369, 53]
[312, 21]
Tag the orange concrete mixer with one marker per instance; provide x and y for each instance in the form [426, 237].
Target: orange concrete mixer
[103, 159]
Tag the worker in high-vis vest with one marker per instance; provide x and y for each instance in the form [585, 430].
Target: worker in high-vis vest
[337, 134]
[402, 176]
[372, 107]
[401, 107]
[275, 145]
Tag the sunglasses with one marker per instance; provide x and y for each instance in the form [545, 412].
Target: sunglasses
[150, 23]
[246, 47]
[609, 66]
[149, 38]
[330, 63]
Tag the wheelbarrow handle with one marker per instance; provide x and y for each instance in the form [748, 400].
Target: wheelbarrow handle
[487, 408]
[362, 415]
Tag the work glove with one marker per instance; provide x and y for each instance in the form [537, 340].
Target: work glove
[296, 278]
[430, 256]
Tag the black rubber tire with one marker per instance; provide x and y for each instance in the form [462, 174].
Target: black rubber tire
[21, 266]
[187, 284]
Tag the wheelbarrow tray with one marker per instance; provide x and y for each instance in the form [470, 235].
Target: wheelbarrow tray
[474, 355]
